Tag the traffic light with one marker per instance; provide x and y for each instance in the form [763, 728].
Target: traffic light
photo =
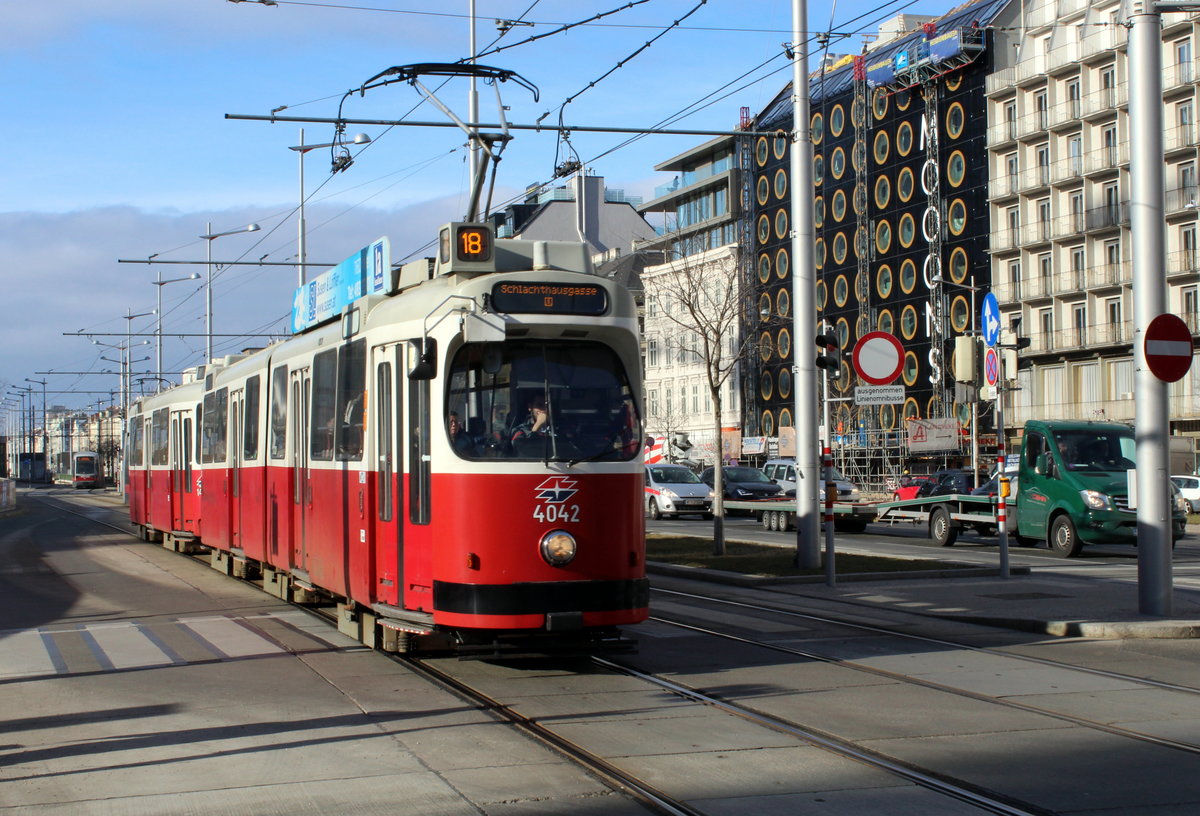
[831, 359]
[966, 352]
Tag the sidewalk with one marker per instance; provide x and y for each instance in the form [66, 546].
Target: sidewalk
[1045, 603]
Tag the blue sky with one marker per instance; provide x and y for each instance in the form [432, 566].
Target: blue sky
[119, 147]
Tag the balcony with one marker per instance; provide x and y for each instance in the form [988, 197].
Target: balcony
[1108, 275]
[1105, 100]
[1033, 124]
[1004, 239]
[1182, 200]
[1107, 159]
[1180, 137]
[1034, 178]
[1036, 233]
[1117, 410]
[1065, 114]
[1069, 8]
[1068, 226]
[1001, 133]
[1102, 40]
[1066, 170]
[1004, 186]
[1177, 76]
[1184, 262]
[1063, 59]
[1001, 81]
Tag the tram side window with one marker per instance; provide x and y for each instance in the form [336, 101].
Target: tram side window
[324, 406]
[279, 412]
[187, 455]
[250, 421]
[160, 436]
[136, 445]
[352, 384]
[214, 431]
[383, 439]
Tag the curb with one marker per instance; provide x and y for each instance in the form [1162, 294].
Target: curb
[740, 579]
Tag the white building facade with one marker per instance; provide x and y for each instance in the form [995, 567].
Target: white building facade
[1058, 149]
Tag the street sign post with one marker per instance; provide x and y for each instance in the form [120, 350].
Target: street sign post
[989, 318]
[878, 358]
[1168, 347]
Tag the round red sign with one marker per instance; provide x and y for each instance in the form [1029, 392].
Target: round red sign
[878, 358]
[1168, 347]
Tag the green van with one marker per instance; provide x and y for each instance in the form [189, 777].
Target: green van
[1073, 489]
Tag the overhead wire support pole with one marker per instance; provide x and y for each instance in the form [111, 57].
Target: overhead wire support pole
[1148, 237]
[804, 295]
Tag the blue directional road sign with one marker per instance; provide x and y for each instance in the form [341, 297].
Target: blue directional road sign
[989, 316]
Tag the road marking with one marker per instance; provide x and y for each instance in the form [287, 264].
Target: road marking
[127, 645]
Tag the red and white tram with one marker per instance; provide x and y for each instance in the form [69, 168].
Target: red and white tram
[325, 463]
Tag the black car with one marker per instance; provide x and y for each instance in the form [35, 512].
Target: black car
[744, 483]
[947, 481]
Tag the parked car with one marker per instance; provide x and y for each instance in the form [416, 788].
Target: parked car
[1189, 488]
[783, 472]
[674, 490]
[947, 481]
[992, 486]
[908, 486]
[744, 483]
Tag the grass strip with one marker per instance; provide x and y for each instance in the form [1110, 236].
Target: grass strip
[761, 559]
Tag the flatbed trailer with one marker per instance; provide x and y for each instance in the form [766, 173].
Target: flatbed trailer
[946, 515]
[780, 514]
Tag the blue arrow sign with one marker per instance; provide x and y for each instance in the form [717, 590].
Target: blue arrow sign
[989, 316]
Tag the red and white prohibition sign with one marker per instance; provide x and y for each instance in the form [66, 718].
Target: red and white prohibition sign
[878, 358]
[1168, 347]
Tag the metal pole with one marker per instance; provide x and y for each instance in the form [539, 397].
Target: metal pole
[1148, 238]
[473, 113]
[158, 365]
[208, 319]
[804, 296]
[300, 226]
[1001, 459]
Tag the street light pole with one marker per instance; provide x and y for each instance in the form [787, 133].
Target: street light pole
[45, 430]
[209, 237]
[301, 227]
[160, 283]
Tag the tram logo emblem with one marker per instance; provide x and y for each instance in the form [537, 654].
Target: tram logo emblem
[556, 489]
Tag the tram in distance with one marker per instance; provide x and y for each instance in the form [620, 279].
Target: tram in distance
[455, 461]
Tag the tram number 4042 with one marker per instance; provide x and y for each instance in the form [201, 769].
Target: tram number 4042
[554, 513]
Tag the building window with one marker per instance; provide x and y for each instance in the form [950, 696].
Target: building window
[652, 352]
[1112, 307]
[1078, 267]
[1190, 298]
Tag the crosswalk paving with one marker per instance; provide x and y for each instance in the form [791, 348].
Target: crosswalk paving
[124, 645]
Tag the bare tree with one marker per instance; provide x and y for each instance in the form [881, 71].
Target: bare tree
[700, 298]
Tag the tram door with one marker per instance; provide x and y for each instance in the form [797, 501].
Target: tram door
[387, 467]
[301, 395]
[237, 408]
[175, 483]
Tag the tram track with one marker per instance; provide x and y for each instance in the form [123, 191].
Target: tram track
[875, 629]
[670, 795]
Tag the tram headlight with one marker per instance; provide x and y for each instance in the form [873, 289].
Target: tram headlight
[558, 548]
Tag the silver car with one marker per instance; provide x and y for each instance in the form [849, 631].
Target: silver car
[783, 472]
[674, 490]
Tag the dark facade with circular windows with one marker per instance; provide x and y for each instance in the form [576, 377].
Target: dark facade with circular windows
[897, 207]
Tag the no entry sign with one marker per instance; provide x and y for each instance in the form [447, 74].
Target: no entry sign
[1168, 347]
[878, 358]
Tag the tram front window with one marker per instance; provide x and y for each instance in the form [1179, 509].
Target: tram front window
[539, 400]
